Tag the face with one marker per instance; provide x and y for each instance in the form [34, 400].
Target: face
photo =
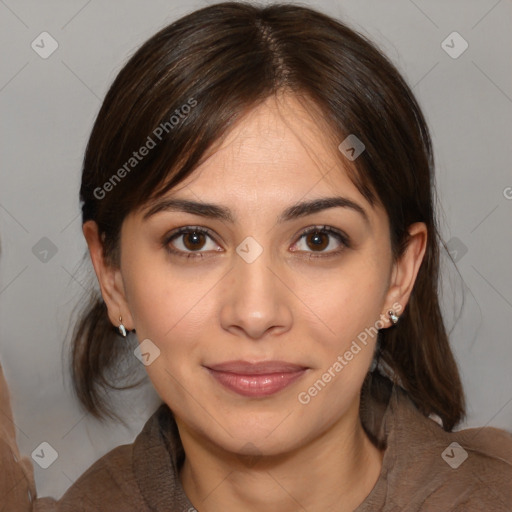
[265, 318]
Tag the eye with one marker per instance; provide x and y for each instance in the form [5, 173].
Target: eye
[319, 238]
[188, 240]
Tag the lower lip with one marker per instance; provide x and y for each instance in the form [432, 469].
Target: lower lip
[256, 385]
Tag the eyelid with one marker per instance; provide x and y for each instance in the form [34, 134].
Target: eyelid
[326, 229]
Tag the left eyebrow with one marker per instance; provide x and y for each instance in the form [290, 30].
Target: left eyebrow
[316, 205]
[216, 211]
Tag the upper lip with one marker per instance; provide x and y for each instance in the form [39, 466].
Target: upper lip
[260, 368]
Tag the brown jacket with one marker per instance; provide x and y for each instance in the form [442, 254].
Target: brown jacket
[424, 467]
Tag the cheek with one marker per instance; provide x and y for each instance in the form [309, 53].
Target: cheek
[347, 303]
[171, 311]
[343, 343]
[161, 296]
[172, 307]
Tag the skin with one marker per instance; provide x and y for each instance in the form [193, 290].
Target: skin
[258, 454]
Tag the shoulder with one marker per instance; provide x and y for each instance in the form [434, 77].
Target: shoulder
[136, 477]
[17, 485]
[465, 470]
[109, 484]
[114, 481]
[480, 459]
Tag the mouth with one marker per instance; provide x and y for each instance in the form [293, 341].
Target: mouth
[256, 380]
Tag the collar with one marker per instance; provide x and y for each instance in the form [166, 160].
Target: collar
[157, 458]
[158, 452]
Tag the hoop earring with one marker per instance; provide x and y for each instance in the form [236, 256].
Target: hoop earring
[121, 328]
[393, 317]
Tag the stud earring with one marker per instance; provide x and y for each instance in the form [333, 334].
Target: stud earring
[121, 328]
[393, 317]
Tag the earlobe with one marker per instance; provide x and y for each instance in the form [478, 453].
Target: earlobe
[109, 277]
[406, 269]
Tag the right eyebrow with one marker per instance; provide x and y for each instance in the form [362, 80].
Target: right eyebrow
[196, 208]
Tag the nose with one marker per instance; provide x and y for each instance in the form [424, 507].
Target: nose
[255, 300]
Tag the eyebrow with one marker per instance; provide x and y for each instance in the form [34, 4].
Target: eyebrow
[215, 211]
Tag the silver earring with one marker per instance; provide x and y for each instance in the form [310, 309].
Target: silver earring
[393, 317]
[121, 328]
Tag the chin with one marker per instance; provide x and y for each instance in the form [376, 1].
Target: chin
[254, 434]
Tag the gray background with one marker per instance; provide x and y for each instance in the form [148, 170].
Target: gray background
[47, 110]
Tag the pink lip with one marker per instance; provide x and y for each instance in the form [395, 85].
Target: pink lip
[256, 379]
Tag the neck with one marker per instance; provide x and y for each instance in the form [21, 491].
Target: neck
[336, 471]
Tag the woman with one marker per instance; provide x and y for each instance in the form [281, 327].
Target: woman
[257, 200]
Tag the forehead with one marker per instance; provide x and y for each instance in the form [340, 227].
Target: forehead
[279, 152]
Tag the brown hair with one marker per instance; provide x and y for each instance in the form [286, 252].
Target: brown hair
[220, 61]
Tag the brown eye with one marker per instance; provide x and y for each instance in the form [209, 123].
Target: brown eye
[194, 240]
[317, 241]
[190, 242]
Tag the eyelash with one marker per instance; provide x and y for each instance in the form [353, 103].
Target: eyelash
[340, 236]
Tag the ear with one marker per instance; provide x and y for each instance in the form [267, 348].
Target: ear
[405, 270]
[109, 278]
